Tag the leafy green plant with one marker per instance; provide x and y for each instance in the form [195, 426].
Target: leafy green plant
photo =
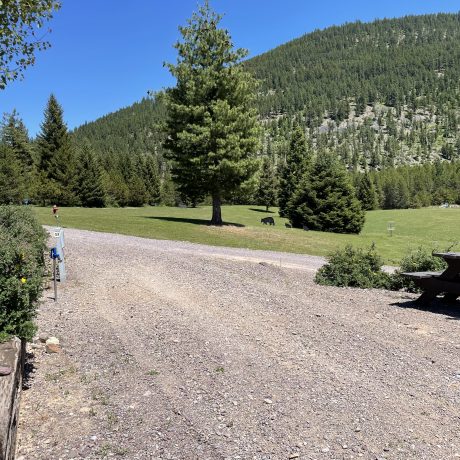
[22, 265]
[153, 373]
[417, 260]
[354, 267]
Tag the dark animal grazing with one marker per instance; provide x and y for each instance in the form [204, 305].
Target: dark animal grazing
[268, 220]
[305, 227]
[288, 225]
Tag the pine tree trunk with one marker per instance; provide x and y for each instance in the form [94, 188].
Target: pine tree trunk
[216, 211]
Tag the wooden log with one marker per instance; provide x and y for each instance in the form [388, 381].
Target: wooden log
[12, 354]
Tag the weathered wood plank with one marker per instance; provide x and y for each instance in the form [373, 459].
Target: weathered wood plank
[12, 354]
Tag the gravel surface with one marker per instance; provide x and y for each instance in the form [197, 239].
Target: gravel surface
[178, 351]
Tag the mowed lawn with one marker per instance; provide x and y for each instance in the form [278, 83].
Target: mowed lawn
[430, 227]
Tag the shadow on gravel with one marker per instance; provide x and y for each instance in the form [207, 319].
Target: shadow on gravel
[451, 309]
[261, 210]
[182, 220]
[29, 370]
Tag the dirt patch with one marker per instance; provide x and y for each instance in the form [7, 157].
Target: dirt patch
[180, 355]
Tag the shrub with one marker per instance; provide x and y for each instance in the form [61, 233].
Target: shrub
[418, 260]
[355, 268]
[22, 265]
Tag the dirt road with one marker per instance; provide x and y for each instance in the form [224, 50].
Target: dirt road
[174, 353]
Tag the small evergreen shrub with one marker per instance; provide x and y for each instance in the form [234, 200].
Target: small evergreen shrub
[354, 267]
[22, 265]
[418, 260]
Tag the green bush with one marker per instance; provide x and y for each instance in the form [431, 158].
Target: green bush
[418, 260]
[355, 268]
[22, 265]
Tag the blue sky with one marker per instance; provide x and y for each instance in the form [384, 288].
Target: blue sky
[106, 54]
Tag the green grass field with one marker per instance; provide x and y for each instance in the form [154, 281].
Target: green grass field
[429, 227]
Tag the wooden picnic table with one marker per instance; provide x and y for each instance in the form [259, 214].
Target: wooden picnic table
[435, 283]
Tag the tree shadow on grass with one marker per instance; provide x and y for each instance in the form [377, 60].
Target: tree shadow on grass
[183, 220]
[261, 210]
[438, 306]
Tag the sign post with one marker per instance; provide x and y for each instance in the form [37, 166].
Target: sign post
[391, 228]
[58, 233]
[54, 255]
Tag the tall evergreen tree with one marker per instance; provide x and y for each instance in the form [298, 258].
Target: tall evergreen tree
[152, 180]
[14, 134]
[325, 199]
[11, 180]
[212, 128]
[267, 190]
[89, 188]
[366, 193]
[15, 138]
[293, 169]
[56, 153]
[168, 192]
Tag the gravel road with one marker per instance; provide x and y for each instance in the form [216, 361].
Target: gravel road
[180, 351]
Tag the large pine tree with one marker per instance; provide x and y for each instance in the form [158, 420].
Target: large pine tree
[17, 156]
[152, 180]
[12, 183]
[14, 134]
[292, 170]
[56, 154]
[267, 191]
[325, 199]
[212, 127]
[89, 188]
[366, 193]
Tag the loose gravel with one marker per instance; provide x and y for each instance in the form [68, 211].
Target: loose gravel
[173, 352]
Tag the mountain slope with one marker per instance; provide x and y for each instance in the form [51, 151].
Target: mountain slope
[378, 94]
[393, 61]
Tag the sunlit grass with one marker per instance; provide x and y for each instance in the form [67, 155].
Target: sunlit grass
[429, 227]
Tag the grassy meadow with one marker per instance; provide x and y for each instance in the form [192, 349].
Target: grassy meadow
[429, 227]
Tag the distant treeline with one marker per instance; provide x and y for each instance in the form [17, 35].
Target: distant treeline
[383, 98]
[125, 170]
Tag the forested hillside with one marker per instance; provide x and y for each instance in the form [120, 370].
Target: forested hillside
[134, 129]
[376, 96]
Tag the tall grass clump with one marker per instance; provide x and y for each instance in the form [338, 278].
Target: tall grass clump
[22, 266]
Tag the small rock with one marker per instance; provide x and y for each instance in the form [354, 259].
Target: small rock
[85, 410]
[147, 393]
[357, 429]
[53, 348]
[325, 450]
[43, 337]
[5, 370]
[93, 438]
[52, 341]
[295, 455]
[268, 401]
